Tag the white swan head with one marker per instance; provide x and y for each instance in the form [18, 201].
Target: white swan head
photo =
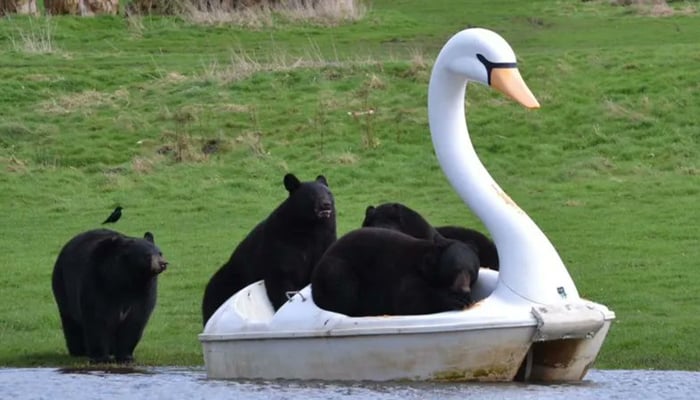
[529, 265]
[483, 56]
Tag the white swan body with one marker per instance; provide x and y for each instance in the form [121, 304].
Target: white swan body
[524, 316]
[529, 264]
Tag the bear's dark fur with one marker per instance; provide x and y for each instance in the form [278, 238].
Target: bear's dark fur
[282, 249]
[401, 218]
[377, 271]
[105, 286]
[485, 248]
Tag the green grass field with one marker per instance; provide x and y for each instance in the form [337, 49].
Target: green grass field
[191, 128]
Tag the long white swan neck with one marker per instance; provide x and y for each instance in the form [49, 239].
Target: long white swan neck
[529, 264]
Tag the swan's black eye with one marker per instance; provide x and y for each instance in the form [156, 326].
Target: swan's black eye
[491, 65]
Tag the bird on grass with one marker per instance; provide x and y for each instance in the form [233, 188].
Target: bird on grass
[114, 216]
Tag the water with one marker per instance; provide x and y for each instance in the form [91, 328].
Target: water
[191, 384]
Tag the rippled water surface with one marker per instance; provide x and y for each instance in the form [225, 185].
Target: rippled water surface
[187, 384]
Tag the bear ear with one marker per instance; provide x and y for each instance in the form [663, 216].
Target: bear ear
[291, 183]
[369, 210]
[322, 180]
[149, 236]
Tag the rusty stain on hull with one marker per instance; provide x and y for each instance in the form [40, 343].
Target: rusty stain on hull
[498, 373]
[497, 365]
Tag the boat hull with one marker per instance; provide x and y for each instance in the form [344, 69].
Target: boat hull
[475, 355]
[491, 356]
[492, 341]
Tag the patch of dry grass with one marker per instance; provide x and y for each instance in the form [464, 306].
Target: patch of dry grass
[617, 110]
[218, 13]
[243, 65]
[418, 62]
[145, 165]
[346, 158]
[324, 12]
[44, 78]
[267, 13]
[253, 140]
[84, 102]
[36, 39]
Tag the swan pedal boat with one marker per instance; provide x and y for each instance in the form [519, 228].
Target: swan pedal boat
[528, 322]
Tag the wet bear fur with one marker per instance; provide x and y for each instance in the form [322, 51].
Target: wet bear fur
[105, 286]
[376, 271]
[401, 218]
[282, 249]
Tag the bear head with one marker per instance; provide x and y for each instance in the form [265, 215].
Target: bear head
[452, 265]
[310, 201]
[128, 261]
[157, 262]
[398, 217]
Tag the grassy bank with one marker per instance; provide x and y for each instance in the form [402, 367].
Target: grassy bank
[191, 127]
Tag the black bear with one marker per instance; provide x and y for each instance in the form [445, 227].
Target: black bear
[401, 218]
[485, 248]
[377, 271]
[282, 249]
[105, 285]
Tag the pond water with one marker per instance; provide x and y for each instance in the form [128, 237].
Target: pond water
[189, 384]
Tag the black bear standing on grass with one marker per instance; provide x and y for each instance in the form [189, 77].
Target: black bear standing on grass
[282, 249]
[105, 287]
[376, 271]
[401, 218]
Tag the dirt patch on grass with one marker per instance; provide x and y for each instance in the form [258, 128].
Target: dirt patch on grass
[656, 8]
[14, 164]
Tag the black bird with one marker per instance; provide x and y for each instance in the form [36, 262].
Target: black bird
[114, 216]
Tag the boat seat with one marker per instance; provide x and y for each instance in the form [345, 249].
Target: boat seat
[485, 284]
[252, 303]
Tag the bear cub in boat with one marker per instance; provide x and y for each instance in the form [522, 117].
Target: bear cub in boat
[377, 271]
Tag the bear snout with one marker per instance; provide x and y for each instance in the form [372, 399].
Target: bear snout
[325, 210]
[462, 283]
[325, 214]
[158, 265]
